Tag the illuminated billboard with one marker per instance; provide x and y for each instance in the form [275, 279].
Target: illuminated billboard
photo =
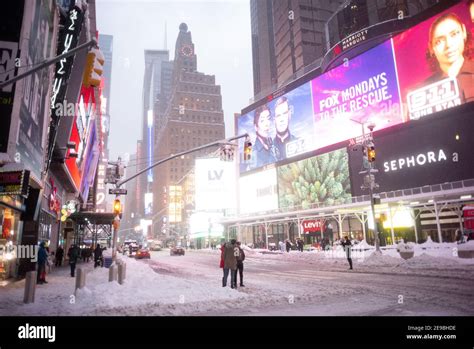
[428, 151]
[435, 62]
[321, 180]
[148, 203]
[279, 129]
[426, 69]
[84, 135]
[175, 205]
[258, 192]
[363, 90]
[215, 184]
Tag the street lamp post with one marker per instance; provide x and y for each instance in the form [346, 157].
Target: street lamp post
[369, 178]
[369, 183]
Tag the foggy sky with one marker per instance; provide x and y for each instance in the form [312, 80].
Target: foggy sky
[221, 34]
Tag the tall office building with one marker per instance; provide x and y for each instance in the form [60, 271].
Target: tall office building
[193, 117]
[290, 38]
[263, 48]
[152, 86]
[102, 198]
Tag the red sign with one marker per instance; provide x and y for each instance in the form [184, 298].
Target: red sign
[468, 212]
[311, 226]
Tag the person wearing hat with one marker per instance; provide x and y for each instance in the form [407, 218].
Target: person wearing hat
[240, 264]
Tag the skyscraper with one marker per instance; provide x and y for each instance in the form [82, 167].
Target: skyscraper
[152, 86]
[292, 37]
[193, 117]
[106, 46]
[263, 48]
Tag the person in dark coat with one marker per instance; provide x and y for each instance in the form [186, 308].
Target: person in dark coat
[300, 245]
[73, 254]
[42, 260]
[59, 256]
[346, 245]
[97, 256]
[230, 263]
[221, 264]
[240, 264]
[288, 246]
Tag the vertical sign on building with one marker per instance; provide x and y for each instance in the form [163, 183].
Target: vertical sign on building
[68, 39]
[11, 17]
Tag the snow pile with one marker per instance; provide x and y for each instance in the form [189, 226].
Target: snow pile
[144, 287]
[468, 246]
[363, 245]
[426, 261]
[379, 259]
[406, 247]
[429, 243]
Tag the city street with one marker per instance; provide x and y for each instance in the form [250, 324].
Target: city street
[293, 284]
[294, 288]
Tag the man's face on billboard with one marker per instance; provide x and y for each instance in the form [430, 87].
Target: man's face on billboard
[282, 117]
[264, 122]
[448, 41]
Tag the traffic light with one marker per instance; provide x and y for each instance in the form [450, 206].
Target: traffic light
[371, 153]
[247, 150]
[94, 68]
[117, 207]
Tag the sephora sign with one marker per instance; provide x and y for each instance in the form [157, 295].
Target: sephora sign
[428, 151]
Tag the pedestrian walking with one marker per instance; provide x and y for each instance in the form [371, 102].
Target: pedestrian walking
[300, 245]
[240, 264]
[347, 244]
[230, 263]
[98, 256]
[288, 246]
[73, 254]
[42, 260]
[59, 256]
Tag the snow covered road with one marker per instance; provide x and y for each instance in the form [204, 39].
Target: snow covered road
[276, 284]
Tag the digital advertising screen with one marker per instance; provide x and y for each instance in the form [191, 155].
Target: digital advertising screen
[258, 192]
[426, 69]
[428, 151]
[279, 129]
[215, 184]
[322, 179]
[362, 90]
[435, 63]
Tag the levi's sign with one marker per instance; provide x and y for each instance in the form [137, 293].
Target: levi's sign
[311, 226]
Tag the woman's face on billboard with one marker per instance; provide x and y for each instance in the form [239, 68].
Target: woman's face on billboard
[448, 42]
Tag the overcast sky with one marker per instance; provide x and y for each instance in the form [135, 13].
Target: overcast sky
[221, 35]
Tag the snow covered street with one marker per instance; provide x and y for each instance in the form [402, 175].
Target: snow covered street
[309, 283]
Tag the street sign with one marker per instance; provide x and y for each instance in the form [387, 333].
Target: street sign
[118, 191]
